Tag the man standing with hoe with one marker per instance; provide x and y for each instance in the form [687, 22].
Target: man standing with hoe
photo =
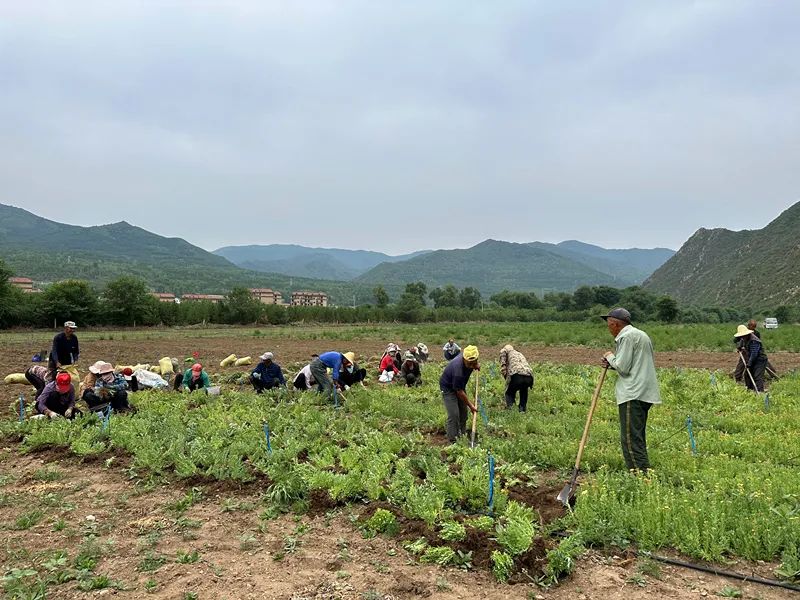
[637, 385]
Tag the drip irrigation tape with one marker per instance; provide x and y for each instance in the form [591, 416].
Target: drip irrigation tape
[704, 569]
[491, 484]
[721, 572]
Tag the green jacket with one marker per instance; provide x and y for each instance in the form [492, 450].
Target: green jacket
[636, 370]
[204, 380]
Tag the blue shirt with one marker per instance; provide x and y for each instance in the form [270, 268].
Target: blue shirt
[332, 360]
[269, 373]
[455, 376]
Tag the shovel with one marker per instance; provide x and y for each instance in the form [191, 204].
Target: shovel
[568, 493]
[474, 415]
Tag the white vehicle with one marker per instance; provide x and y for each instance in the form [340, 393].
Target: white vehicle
[770, 323]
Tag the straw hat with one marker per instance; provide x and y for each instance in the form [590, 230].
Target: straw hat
[351, 357]
[742, 331]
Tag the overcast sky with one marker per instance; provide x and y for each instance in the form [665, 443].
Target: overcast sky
[397, 126]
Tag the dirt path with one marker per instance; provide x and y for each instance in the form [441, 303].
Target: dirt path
[138, 535]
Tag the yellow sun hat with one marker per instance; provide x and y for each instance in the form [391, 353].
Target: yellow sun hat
[471, 353]
[742, 331]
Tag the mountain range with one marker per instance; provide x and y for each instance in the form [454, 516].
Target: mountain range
[750, 268]
[301, 261]
[48, 251]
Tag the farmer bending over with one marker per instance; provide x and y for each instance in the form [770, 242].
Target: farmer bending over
[519, 377]
[453, 384]
[451, 349]
[637, 385]
[267, 374]
[57, 398]
[65, 350]
[349, 376]
[335, 361]
[753, 357]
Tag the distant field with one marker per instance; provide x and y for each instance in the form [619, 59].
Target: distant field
[702, 337]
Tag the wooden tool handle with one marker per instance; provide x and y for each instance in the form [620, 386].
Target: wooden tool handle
[585, 435]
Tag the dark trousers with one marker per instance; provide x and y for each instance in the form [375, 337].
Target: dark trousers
[632, 427]
[35, 381]
[448, 356]
[118, 400]
[518, 383]
[260, 386]
[194, 384]
[411, 380]
[757, 372]
[300, 382]
[457, 413]
[177, 382]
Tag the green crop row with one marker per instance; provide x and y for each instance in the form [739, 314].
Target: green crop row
[738, 496]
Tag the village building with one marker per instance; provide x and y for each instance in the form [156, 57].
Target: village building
[304, 298]
[163, 297]
[213, 298]
[267, 296]
[23, 283]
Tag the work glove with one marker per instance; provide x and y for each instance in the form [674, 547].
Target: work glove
[256, 375]
[53, 415]
[68, 413]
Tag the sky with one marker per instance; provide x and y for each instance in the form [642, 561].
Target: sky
[399, 126]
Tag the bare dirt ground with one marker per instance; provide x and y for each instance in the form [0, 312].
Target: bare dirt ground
[141, 534]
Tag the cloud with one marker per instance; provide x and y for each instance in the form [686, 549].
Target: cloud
[397, 126]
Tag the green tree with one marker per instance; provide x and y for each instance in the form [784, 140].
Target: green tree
[241, 307]
[667, 309]
[583, 298]
[418, 289]
[70, 300]
[606, 295]
[469, 298]
[381, 297]
[9, 298]
[127, 301]
[444, 297]
[783, 313]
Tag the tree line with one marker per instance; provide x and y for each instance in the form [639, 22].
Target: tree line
[127, 301]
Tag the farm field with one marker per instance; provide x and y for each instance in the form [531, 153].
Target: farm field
[367, 501]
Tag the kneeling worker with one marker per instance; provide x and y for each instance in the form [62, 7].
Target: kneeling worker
[267, 374]
[453, 384]
[57, 398]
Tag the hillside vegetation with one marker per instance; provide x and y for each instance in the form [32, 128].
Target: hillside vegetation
[47, 251]
[757, 268]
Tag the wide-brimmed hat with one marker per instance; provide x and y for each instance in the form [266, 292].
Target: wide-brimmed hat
[351, 357]
[618, 313]
[267, 356]
[101, 367]
[742, 331]
[63, 382]
[70, 324]
[409, 356]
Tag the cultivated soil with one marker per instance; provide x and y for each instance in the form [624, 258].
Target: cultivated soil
[320, 555]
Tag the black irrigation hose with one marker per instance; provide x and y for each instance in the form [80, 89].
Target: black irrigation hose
[711, 570]
[721, 573]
